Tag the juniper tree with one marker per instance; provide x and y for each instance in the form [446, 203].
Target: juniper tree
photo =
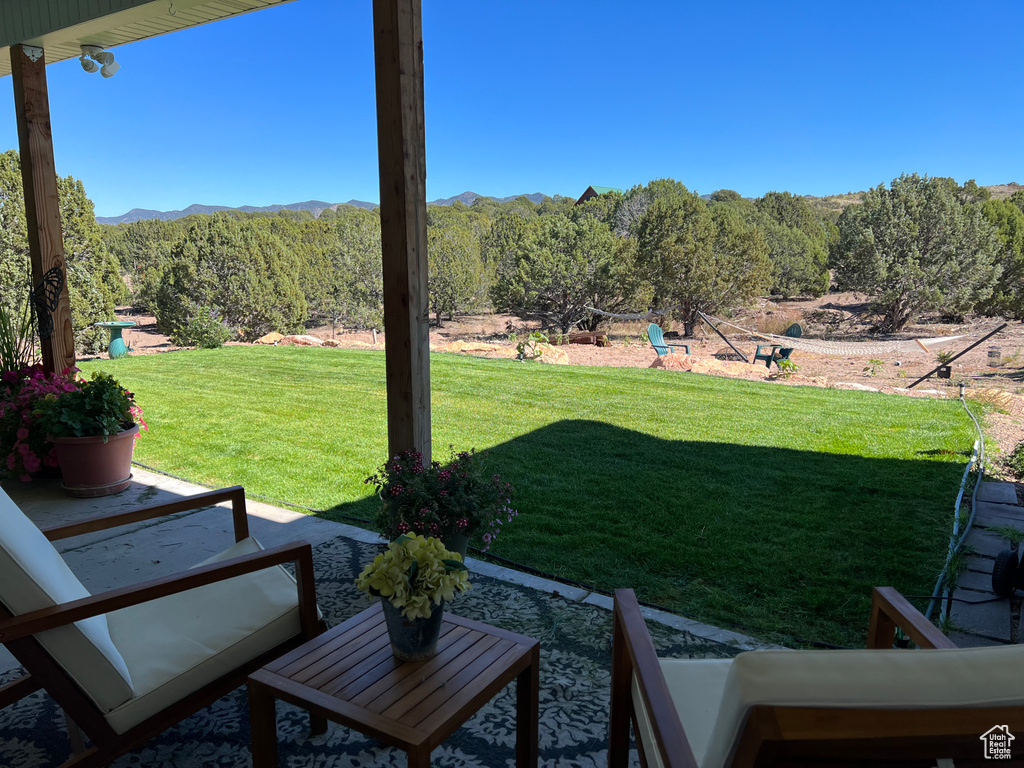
[916, 246]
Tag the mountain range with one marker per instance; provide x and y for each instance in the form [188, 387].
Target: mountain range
[998, 191]
[139, 214]
[314, 206]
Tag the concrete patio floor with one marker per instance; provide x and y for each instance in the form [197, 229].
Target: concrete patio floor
[130, 554]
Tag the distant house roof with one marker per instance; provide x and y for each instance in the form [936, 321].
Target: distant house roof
[595, 191]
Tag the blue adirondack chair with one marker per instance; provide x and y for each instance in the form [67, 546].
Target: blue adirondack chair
[654, 333]
[776, 352]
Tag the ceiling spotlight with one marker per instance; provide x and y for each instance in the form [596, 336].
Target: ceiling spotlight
[93, 56]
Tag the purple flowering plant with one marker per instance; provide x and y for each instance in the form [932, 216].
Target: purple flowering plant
[441, 500]
[24, 448]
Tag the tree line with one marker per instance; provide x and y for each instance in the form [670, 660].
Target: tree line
[918, 244]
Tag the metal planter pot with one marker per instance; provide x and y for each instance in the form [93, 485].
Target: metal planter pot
[413, 639]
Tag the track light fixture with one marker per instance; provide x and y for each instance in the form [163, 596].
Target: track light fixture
[94, 57]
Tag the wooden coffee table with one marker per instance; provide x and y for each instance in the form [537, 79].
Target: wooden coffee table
[349, 675]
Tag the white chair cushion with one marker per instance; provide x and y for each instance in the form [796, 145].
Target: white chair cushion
[176, 645]
[34, 576]
[696, 686]
[968, 677]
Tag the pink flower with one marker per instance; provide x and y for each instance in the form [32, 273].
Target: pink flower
[22, 434]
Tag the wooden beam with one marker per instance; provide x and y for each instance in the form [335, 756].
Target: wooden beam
[401, 147]
[42, 214]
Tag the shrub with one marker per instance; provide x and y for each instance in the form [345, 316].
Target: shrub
[200, 327]
[1015, 461]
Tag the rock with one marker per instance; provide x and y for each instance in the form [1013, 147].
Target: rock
[469, 346]
[301, 341]
[271, 338]
[802, 381]
[673, 362]
[857, 387]
[332, 343]
[552, 355]
[711, 366]
[738, 370]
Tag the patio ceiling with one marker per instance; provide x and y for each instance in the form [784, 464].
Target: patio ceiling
[61, 26]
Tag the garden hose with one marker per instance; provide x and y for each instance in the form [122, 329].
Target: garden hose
[955, 541]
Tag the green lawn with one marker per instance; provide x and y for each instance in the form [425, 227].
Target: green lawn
[740, 503]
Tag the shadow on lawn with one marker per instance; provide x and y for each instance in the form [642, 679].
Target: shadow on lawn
[773, 538]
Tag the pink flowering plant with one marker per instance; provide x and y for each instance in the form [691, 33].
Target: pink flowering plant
[99, 407]
[442, 501]
[24, 447]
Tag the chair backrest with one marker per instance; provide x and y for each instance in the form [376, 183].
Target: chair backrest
[865, 692]
[657, 337]
[33, 576]
[794, 332]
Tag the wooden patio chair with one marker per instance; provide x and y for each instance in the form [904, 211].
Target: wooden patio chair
[657, 337]
[128, 663]
[822, 708]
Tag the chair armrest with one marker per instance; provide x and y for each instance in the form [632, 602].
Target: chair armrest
[633, 654]
[889, 610]
[772, 347]
[681, 346]
[234, 494]
[300, 553]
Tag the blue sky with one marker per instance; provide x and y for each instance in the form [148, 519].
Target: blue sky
[551, 96]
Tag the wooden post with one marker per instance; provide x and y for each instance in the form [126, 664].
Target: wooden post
[42, 215]
[401, 147]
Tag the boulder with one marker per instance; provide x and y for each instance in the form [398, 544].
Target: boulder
[711, 366]
[271, 338]
[674, 362]
[552, 355]
[303, 340]
[855, 387]
[469, 346]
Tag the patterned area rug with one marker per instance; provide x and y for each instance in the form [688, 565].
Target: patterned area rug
[574, 684]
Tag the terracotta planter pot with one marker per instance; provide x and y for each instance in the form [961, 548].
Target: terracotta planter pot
[92, 467]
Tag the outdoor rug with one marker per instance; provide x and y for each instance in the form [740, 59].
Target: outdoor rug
[575, 677]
